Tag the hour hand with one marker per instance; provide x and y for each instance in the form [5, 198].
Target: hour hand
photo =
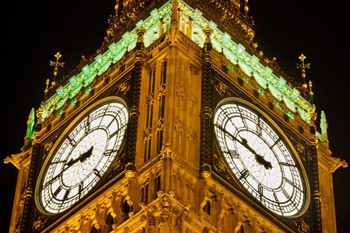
[81, 157]
[86, 155]
[72, 162]
[260, 159]
[263, 162]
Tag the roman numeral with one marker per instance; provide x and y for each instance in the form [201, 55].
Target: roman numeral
[276, 198]
[57, 162]
[51, 181]
[287, 164]
[113, 134]
[285, 193]
[66, 194]
[289, 181]
[87, 125]
[58, 190]
[71, 141]
[97, 173]
[244, 174]
[274, 144]
[261, 190]
[80, 188]
[234, 154]
[258, 128]
[109, 152]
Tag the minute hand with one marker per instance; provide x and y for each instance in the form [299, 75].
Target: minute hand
[243, 142]
[260, 159]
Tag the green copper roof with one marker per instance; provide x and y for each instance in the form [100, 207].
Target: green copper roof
[103, 61]
[221, 41]
[249, 64]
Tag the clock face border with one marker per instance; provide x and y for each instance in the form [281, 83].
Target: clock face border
[59, 142]
[261, 114]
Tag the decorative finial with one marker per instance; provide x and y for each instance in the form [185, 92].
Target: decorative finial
[310, 90]
[56, 65]
[207, 43]
[140, 31]
[323, 136]
[246, 9]
[303, 68]
[47, 86]
[30, 126]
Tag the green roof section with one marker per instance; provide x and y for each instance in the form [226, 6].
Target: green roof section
[249, 64]
[222, 42]
[103, 61]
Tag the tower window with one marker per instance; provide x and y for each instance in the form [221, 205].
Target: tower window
[241, 230]
[94, 230]
[157, 184]
[126, 209]
[110, 222]
[207, 207]
[144, 194]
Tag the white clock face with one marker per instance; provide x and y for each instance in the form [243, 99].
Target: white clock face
[82, 156]
[260, 158]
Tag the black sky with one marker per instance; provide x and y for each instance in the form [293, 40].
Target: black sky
[33, 31]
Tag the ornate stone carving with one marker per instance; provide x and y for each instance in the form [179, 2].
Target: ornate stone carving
[302, 226]
[15, 159]
[179, 125]
[39, 223]
[161, 91]
[123, 88]
[337, 163]
[166, 151]
[190, 134]
[194, 100]
[180, 91]
[159, 125]
[151, 221]
[147, 134]
[221, 88]
[194, 69]
[150, 99]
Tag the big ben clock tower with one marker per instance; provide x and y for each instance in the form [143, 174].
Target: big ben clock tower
[177, 124]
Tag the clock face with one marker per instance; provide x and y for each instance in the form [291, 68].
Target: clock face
[82, 156]
[260, 158]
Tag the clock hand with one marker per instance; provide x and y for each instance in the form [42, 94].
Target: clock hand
[263, 162]
[244, 141]
[260, 159]
[86, 155]
[245, 144]
[81, 157]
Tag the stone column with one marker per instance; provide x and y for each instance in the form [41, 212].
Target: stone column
[206, 143]
[315, 187]
[134, 104]
[28, 207]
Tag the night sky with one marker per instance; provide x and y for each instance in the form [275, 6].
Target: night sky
[33, 31]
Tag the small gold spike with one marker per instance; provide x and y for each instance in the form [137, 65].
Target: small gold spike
[47, 86]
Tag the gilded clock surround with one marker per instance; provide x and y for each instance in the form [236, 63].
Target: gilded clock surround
[66, 140]
[260, 157]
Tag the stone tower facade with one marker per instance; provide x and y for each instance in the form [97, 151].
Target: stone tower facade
[172, 64]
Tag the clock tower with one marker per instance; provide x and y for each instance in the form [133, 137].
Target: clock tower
[178, 123]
